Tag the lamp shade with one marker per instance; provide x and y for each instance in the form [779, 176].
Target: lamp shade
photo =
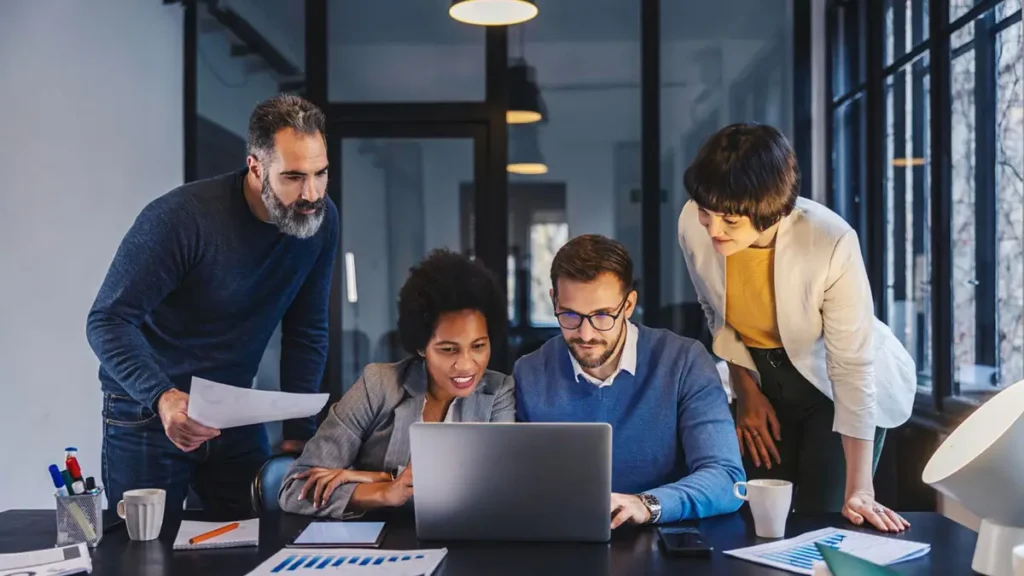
[524, 156]
[981, 464]
[493, 12]
[525, 104]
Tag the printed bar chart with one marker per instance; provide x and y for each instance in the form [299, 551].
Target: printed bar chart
[319, 562]
[805, 555]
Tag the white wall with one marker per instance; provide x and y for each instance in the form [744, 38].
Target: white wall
[90, 131]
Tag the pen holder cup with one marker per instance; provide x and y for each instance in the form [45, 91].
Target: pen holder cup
[80, 519]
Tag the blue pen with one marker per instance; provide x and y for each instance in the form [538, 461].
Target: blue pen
[58, 480]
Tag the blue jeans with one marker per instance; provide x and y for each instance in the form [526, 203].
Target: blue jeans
[138, 454]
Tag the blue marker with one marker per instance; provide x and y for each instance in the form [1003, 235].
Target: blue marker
[58, 480]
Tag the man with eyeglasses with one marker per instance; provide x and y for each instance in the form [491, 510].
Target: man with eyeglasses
[675, 453]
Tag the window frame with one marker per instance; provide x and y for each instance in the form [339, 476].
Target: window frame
[942, 404]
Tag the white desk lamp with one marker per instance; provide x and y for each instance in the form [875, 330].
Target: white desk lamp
[981, 465]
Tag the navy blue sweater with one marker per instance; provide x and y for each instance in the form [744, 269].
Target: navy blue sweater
[198, 286]
[672, 434]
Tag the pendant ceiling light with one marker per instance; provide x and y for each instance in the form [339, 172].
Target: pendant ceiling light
[525, 104]
[524, 156]
[493, 12]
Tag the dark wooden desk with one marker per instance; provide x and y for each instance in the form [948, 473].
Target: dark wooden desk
[631, 551]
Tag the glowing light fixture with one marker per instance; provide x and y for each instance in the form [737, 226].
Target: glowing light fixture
[525, 104]
[493, 12]
[524, 151]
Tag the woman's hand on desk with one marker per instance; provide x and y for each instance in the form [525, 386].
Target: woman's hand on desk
[861, 506]
[321, 482]
[390, 494]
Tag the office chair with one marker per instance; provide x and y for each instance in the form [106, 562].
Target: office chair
[267, 483]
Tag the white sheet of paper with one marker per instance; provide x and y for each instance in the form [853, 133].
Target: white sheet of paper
[799, 554]
[352, 561]
[221, 406]
[65, 560]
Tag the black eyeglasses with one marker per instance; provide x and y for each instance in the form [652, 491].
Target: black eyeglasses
[601, 321]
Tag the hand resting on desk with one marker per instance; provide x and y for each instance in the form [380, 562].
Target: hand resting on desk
[321, 482]
[375, 490]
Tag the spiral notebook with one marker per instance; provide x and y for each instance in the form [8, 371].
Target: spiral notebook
[247, 534]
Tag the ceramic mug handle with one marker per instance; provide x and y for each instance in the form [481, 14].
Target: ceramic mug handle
[735, 491]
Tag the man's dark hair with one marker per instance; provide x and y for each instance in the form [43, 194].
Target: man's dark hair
[280, 112]
[748, 170]
[448, 282]
[586, 257]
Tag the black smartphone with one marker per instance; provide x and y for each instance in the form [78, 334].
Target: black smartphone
[684, 541]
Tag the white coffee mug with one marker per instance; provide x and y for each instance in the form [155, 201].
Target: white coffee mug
[143, 512]
[1018, 560]
[770, 502]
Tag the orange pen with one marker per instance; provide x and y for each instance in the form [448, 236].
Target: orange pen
[213, 533]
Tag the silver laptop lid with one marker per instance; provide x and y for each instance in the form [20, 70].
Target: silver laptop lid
[512, 481]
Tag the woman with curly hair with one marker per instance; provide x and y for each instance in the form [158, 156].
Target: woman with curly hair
[450, 311]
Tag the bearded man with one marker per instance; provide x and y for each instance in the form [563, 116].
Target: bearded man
[198, 285]
[674, 450]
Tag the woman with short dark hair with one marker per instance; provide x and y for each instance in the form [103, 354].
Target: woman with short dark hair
[817, 378]
[451, 310]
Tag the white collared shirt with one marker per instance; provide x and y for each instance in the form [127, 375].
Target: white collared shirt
[449, 417]
[627, 361]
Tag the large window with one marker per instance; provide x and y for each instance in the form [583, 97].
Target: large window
[919, 78]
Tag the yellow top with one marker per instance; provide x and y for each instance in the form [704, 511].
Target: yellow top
[750, 297]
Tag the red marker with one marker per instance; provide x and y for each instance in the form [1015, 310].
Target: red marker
[71, 463]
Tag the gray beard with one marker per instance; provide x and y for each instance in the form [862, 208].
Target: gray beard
[287, 219]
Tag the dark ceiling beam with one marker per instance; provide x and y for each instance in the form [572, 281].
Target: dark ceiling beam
[253, 40]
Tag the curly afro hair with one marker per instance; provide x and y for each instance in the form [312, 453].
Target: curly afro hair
[448, 282]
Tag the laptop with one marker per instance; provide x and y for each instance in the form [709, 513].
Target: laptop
[528, 482]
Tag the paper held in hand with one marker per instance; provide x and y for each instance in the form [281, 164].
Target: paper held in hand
[221, 406]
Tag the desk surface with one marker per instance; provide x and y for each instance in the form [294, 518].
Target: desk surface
[631, 551]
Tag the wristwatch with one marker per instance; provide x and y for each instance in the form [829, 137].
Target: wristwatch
[653, 506]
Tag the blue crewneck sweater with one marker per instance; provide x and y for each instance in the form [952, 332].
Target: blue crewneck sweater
[672, 434]
[198, 286]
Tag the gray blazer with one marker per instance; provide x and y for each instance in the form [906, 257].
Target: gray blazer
[368, 429]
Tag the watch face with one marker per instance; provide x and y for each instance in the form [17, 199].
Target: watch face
[653, 505]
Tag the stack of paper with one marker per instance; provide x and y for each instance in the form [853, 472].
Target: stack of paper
[799, 554]
[50, 562]
[364, 562]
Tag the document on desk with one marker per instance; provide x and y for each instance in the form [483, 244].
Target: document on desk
[352, 561]
[49, 562]
[799, 554]
[221, 406]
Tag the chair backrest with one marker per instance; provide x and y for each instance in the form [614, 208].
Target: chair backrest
[267, 483]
